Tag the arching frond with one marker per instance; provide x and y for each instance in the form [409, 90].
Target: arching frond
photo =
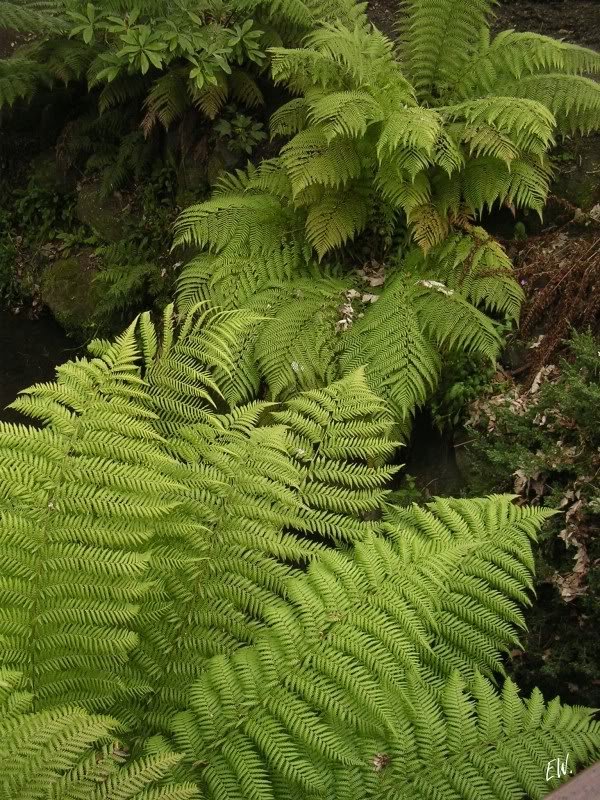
[477, 266]
[513, 55]
[371, 664]
[66, 753]
[167, 100]
[20, 78]
[438, 36]
[573, 100]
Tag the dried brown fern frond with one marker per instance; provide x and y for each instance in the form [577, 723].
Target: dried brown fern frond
[561, 276]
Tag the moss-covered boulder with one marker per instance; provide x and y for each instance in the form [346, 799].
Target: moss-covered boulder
[107, 216]
[48, 174]
[69, 291]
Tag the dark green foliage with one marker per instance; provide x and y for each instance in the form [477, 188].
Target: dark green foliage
[160, 66]
[556, 429]
[464, 378]
[547, 442]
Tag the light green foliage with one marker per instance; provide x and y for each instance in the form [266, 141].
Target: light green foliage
[171, 564]
[68, 754]
[425, 134]
[317, 324]
[431, 147]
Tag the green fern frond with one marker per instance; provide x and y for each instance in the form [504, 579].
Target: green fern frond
[72, 572]
[400, 361]
[211, 98]
[335, 219]
[245, 89]
[428, 227]
[167, 100]
[121, 90]
[67, 754]
[295, 350]
[20, 78]
[361, 51]
[26, 17]
[360, 641]
[296, 68]
[486, 181]
[65, 59]
[290, 118]
[344, 113]
[417, 128]
[476, 266]
[452, 321]
[513, 55]
[426, 30]
[573, 100]
[236, 222]
[527, 124]
[309, 158]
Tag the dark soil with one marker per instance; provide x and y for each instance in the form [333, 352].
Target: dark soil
[29, 352]
[575, 21]
[384, 14]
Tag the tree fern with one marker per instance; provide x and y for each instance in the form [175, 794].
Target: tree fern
[186, 527]
[30, 16]
[473, 149]
[357, 647]
[433, 155]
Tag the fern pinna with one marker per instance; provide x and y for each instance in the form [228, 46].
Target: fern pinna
[226, 590]
[451, 125]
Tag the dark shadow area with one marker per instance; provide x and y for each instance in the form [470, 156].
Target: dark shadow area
[30, 350]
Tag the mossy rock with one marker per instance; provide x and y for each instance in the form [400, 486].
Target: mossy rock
[69, 291]
[107, 216]
[46, 173]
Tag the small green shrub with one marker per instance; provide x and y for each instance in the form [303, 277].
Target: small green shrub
[544, 444]
[554, 431]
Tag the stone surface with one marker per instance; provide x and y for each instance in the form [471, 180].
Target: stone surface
[105, 215]
[68, 290]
